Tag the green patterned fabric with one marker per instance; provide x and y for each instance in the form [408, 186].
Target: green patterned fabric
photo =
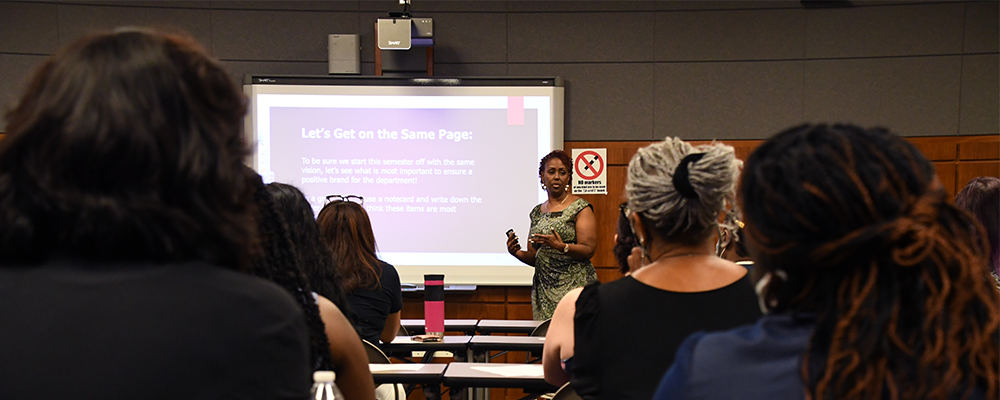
[555, 272]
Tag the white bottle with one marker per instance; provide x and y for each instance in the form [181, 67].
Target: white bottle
[324, 388]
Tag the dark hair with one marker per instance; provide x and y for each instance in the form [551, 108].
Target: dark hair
[126, 146]
[347, 231]
[865, 240]
[275, 261]
[311, 254]
[624, 243]
[558, 155]
[981, 197]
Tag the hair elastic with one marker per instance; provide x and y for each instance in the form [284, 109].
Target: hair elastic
[680, 179]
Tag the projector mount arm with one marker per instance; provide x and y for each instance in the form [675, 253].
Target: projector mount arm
[401, 14]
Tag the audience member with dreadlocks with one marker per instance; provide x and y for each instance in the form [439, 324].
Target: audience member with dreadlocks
[275, 261]
[350, 361]
[981, 197]
[126, 228]
[622, 335]
[874, 281]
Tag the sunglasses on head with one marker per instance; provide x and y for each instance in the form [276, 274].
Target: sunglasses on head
[351, 198]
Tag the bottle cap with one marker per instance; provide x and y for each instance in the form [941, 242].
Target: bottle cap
[324, 376]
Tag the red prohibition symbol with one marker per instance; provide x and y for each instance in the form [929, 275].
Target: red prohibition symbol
[587, 160]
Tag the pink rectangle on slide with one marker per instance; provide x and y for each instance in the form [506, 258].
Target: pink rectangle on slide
[434, 316]
[515, 110]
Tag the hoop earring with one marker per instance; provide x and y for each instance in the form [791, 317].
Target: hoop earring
[764, 288]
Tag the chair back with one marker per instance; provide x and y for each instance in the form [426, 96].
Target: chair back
[541, 329]
[566, 392]
[386, 390]
[375, 355]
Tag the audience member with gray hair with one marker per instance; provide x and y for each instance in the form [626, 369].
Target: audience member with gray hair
[679, 197]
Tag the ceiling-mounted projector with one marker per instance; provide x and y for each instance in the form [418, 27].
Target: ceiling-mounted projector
[402, 33]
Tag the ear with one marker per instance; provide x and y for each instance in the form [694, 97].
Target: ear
[638, 229]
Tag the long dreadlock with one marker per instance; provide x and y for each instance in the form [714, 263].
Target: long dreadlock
[870, 244]
[276, 263]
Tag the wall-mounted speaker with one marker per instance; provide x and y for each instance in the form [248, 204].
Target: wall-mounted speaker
[344, 54]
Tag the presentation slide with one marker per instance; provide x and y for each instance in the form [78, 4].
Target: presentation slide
[443, 176]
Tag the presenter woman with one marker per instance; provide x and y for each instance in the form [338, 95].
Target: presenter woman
[563, 237]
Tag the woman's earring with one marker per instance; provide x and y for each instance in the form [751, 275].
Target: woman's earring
[642, 247]
[722, 243]
[764, 287]
[544, 188]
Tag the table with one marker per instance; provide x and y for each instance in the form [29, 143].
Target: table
[454, 344]
[489, 326]
[520, 376]
[466, 326]
[408, 373]
[507, 343]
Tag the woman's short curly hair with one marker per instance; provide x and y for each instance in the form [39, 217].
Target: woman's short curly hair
[559, 155]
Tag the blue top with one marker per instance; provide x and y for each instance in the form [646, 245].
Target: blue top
[760, 361]
[754, 362]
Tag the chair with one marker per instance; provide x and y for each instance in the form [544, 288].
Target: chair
[566, 392]
[539, 330]
[376, 356]
[542, 328]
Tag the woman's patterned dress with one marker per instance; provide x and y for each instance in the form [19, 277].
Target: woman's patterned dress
[555, 272]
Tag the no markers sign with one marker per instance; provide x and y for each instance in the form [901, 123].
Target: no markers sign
[590, 171]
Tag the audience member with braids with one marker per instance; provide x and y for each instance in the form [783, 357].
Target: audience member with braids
[622, 335]
[275, 261]
[372, 285]
[126, 229]
[316, 261]
[350, 361]
[981, 197]
[874, 281]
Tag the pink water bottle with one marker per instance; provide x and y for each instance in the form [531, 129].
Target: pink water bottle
[434, 304]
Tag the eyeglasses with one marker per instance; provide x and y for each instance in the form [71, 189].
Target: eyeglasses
[351, 198]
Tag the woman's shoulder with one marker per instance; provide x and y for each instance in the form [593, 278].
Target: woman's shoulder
[581, 203]
[388, 269]
[578, 205]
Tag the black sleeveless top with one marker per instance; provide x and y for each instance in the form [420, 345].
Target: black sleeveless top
[627, 332]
